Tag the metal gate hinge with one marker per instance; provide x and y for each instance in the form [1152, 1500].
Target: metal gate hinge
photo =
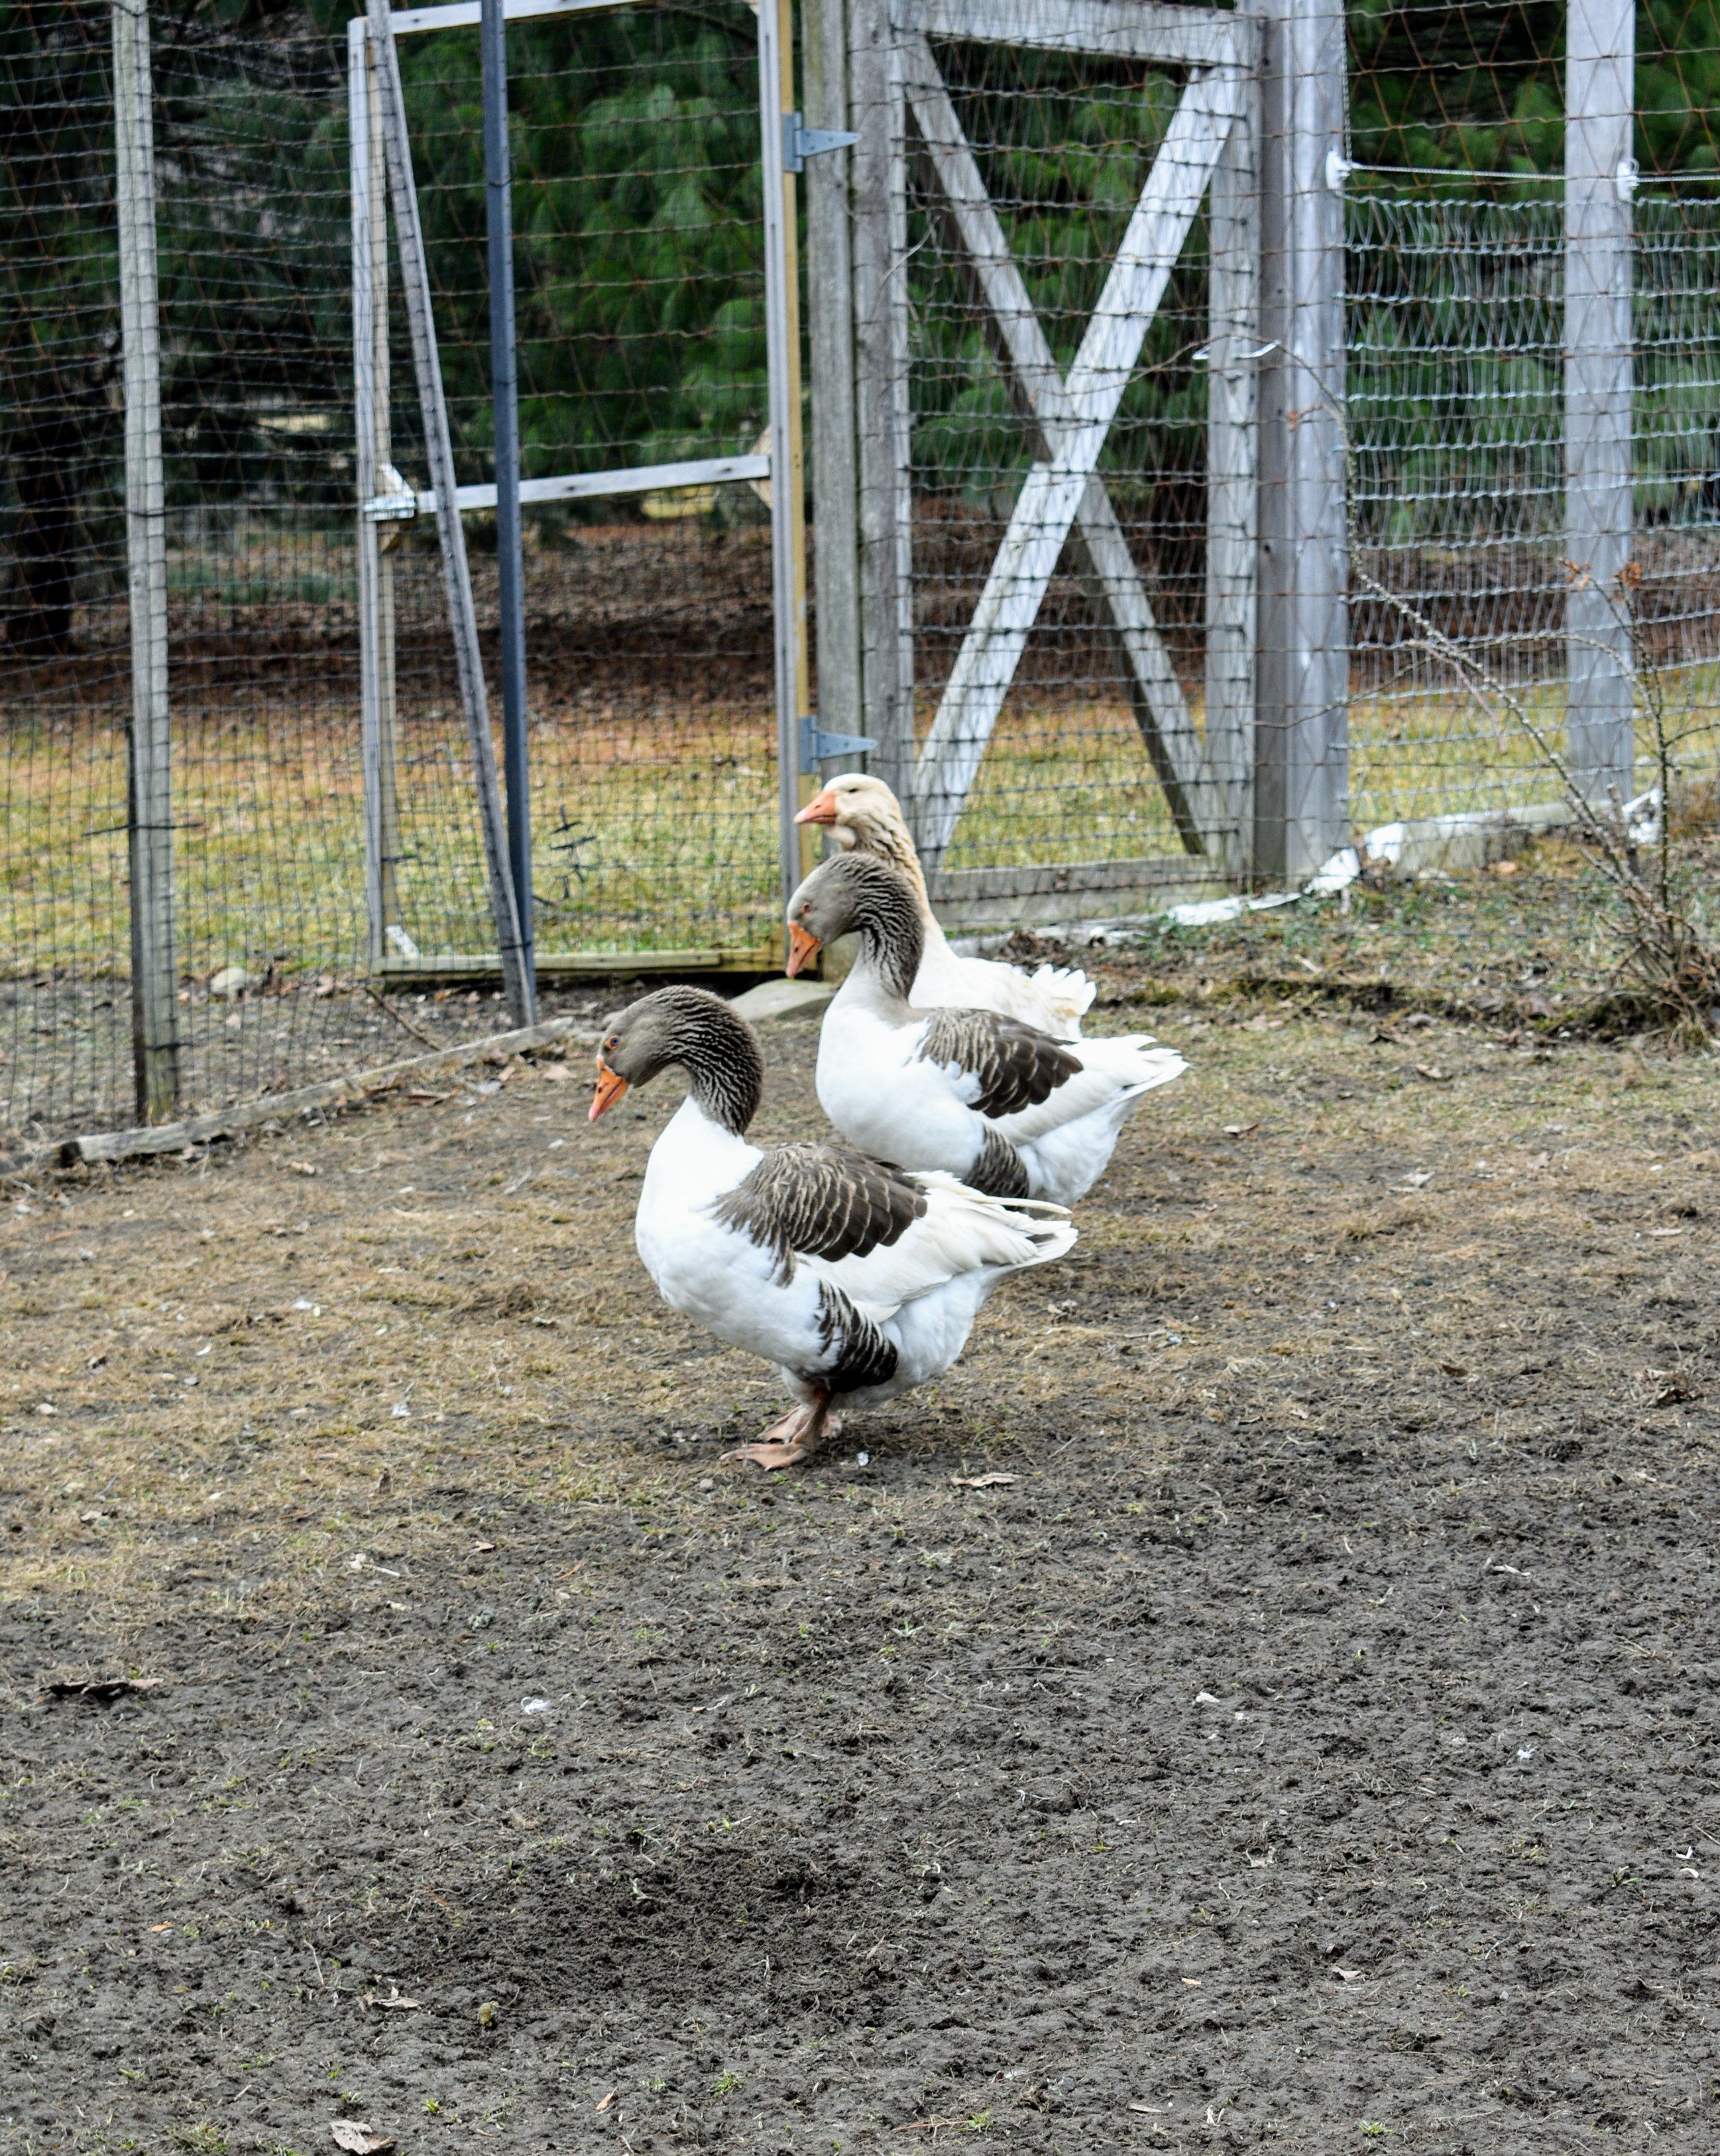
[799, 143]
[815, 744]
[398, 502]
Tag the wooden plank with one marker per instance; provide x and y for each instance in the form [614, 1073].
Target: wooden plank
[1053, 491]
[594, 486]
[1599, 695]
[1156, 872]
[1131, 29]
[876, 177]
[1302, 741]
[1037, 386]
[1232, 491]
[155, 1009]
[486, 966]
[329, 1092]
[829, 293]
[467, 14]
[456, 575]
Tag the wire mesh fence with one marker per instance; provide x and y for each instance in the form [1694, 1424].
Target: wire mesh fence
[1456, 414]
[638, 273]
[640, 306]
[1063, 147]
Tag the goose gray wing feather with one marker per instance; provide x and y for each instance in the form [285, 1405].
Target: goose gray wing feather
[821, 1201]
[1017, 1065]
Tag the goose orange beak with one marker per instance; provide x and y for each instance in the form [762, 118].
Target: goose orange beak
[803, 949]
[609, 1090]
[820, 810]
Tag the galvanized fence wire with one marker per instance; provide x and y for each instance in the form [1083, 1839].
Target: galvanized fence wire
[265, 928]
[1456, 413]
[639, 298]
[64, 1013]
[1063, 145]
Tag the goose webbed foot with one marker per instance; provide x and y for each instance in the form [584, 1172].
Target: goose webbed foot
[795, 1438]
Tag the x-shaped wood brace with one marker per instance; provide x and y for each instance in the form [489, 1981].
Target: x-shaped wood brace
[1070, 419]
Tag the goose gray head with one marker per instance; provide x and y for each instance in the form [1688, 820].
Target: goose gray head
[691, 1027]
[862, 893]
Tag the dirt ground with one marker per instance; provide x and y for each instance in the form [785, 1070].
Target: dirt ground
[1312, 1744]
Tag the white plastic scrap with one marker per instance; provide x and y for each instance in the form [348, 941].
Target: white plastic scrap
[1336, 875]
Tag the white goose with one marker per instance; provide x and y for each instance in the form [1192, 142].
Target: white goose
[858, 1281]
[999, 1104]
[866, 817]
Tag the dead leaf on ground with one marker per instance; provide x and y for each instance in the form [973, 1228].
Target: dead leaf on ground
[161, 1928]
[1194, 1981]
[1454, 1369]
[1259, 1863]
[422, 1093]
[102, 1688]
[394, 2000]
[1239, 1130]
[1351, 1975]
[478, 1547]
[1434, 1077]
[981, 1481]
[357, 2137]
[603, 2102]
[1669, 1396]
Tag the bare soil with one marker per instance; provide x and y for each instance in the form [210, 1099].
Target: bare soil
[1312, 1744]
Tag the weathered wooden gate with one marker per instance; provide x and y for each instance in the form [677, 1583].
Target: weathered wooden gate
[908, 122]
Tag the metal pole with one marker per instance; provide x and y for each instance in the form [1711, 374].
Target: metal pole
[504, 387]
[456, 575]
[782, 310]
[155, 1009]
[1302, 738]
[1600, 177]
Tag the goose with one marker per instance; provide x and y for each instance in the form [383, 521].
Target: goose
[866, 817]
[857, 1280]
[999, 1104]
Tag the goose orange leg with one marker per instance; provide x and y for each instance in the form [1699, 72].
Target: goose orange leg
[795, 1438]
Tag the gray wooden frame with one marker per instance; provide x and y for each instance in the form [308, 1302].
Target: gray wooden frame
[155, 982]
[1302, 743]
[1206, 786]
[829, 296]
[1069, 418]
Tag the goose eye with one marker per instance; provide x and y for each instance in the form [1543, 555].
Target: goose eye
[613, 1041]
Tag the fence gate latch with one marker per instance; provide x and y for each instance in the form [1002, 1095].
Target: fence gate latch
[397, 503]
[799, 143]
[815, 744]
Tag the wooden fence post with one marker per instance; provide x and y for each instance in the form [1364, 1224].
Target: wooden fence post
[154, 985]
[881, 358]
[1232, 505]
[830, 299]
[1600, 176]
[1301, 750]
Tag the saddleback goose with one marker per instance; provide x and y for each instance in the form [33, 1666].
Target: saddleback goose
[866, 817]
[999, 1104]
[857, 1280]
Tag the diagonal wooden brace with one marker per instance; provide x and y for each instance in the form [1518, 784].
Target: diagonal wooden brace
[1037, 387]
[1071, 418]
